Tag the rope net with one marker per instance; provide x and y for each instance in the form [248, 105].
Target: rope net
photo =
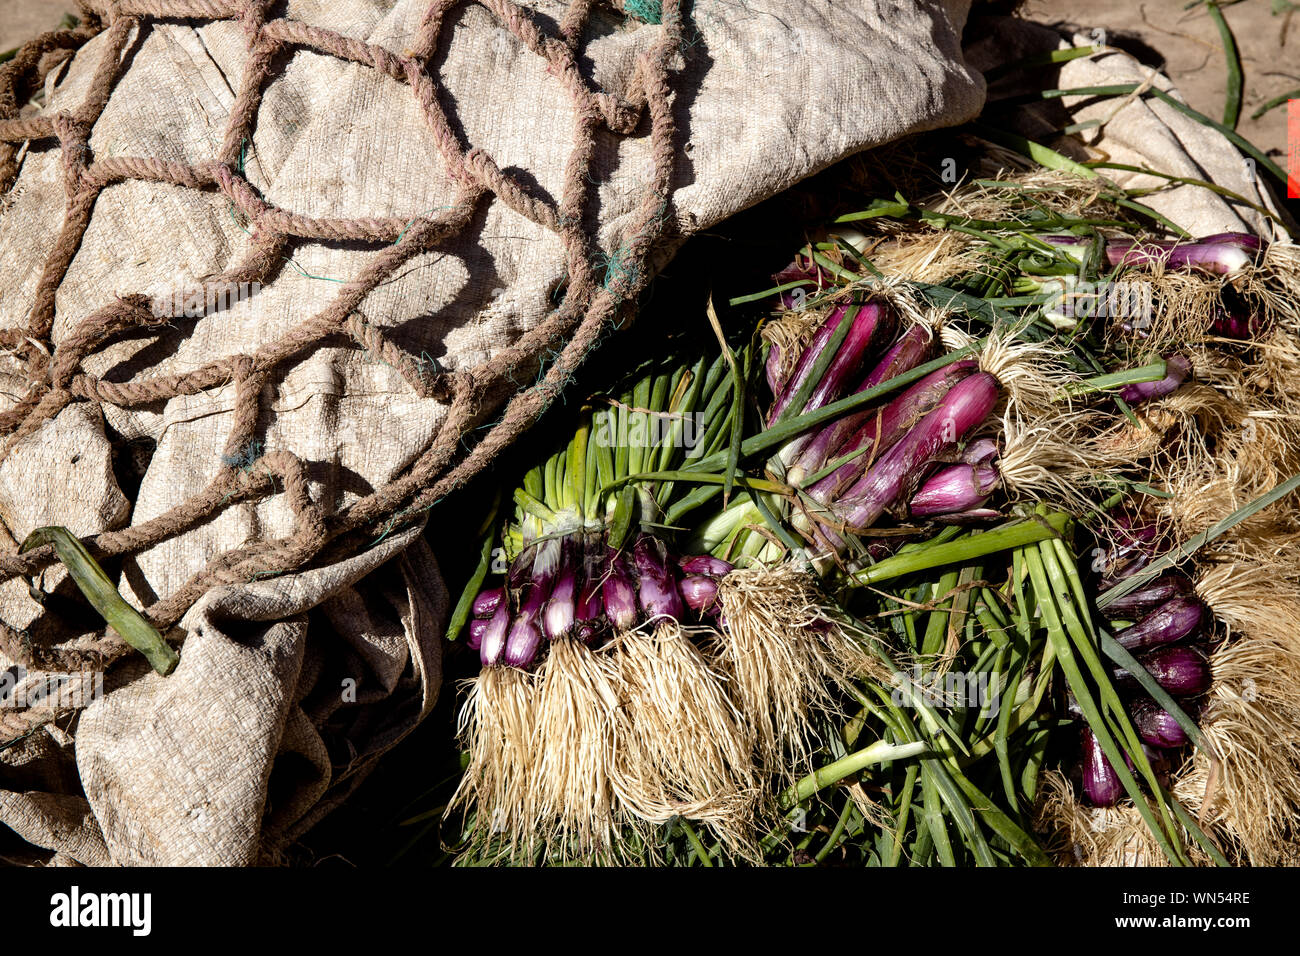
[594, 294]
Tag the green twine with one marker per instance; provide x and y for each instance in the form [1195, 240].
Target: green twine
[619, 272]
[647, 11]
[245, 457]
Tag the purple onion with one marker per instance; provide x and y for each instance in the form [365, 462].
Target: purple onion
[802, 270]
[522, 643]
[1235, 325]
[705, 564]
[1180, 670]
[1222, 254]
[821, 338]
[486, 602]
[477, 628]
[524, 638]
[1101, 783]
[658, 594]
[590, 617]
[557, 620]
[1135, 530]
[890, 423]
[1115, 574]
[1172, 621]
[619, 593]
[965, 406]
[1177, 368]
[1147, 597]
[700, 592]
[909, 351]
[872, 322]
[955, 489]
[492, 644]
[772, 369]
[1155, 725]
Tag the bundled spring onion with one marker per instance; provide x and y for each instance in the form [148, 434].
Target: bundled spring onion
[872, 625]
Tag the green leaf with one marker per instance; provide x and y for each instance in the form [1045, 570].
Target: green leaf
[86, 573]
[1232, 92]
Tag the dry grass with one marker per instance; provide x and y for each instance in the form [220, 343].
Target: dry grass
[687, 751]
[496, 728]
[784, 659]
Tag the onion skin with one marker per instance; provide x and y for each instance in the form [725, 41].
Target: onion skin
[705, 564]
[980, 452]
[909, 351]
[1101, 783]
[1181, 671]
[487, 602]
[1177, 368]
[619, 593]
[1177, 618]
[658, 592]
[1148, 597]
[700, 592]
[492, 645]
[1155, 725]
[964, 406]
[890, 423]
[955, 489]
[477, 628]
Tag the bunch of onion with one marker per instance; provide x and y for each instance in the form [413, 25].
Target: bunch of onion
[918, 455]
[1236, 276]
[905, 453]
[1230, 285]
[597, 710]
[1162, 621]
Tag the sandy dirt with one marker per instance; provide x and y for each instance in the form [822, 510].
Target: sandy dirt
[23, 19]
[1185, 44]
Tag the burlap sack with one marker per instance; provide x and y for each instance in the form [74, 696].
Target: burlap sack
[1131, 130]
[269, 271]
